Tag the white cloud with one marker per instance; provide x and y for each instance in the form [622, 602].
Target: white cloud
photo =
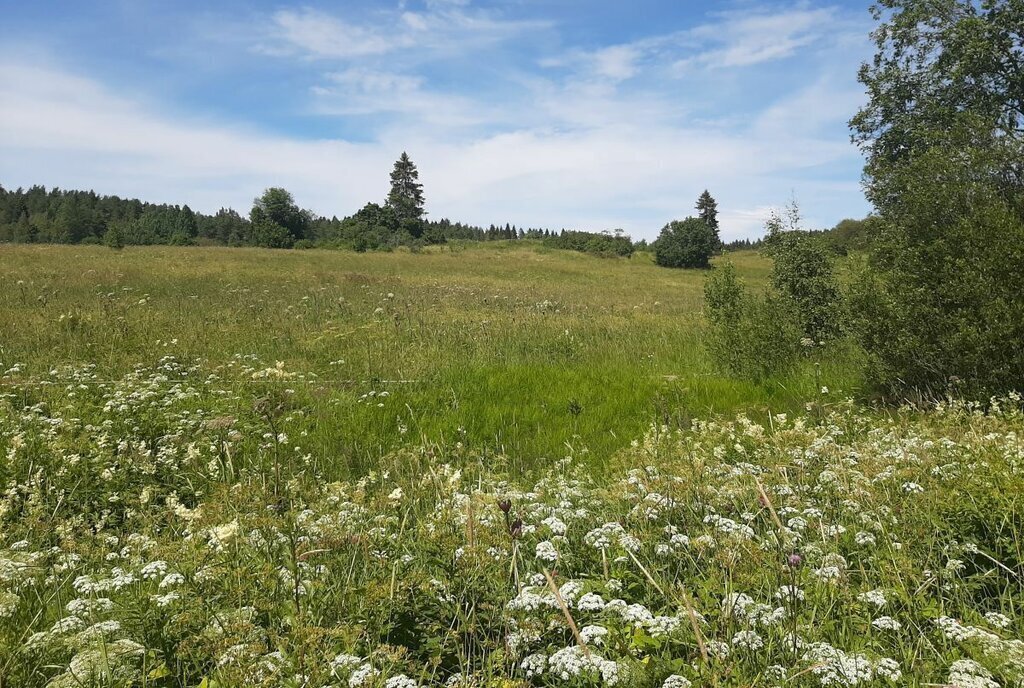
[744, 39]
[820, 103]
[617, 62]
[326, 36]
[72, 131]
[735, 40]
[602, 141]
[366, 91]
[741, 223]
[443, 28]
[64, 129]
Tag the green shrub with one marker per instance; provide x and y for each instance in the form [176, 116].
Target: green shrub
[596, 243]
[685, 243]
[180, 239]
[114, 236]
[802, 272]
[752, 337]
[270, 234]
[939, 304]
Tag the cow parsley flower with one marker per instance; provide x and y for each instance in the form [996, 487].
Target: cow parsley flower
[864, 539]
[591, 602]
[998, 620]
[8, 604]
[676, 681]
[400, 681]
[748, 640]
[556, 525]
[887, 623]
[153, 569]
[663, 625]
[966, 673]
[593, 635]
[888, 669]
[873, 597]
[546, 551]
[534, 665]
[362, 675]
[789, 593]
[172, 579]
[833, 667]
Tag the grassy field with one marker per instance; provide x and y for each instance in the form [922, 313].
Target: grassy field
[491, 467]
[511, 350]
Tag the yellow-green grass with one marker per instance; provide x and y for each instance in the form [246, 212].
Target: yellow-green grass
[515, 350]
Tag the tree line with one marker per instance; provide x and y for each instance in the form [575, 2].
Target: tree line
[38, 215]
[41, 215]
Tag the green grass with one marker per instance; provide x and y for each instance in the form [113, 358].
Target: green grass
[515, 350]
[528, 505]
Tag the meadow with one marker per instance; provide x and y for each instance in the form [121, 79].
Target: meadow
[494, 466]
[514, 351]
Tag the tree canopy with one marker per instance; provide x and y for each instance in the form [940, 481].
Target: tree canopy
[277, 221]
[685, 243]
[939, 305]
[945, 73]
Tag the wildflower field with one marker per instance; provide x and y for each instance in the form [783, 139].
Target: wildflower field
[493, 467]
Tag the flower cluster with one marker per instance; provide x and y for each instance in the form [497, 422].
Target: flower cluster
[154, 530]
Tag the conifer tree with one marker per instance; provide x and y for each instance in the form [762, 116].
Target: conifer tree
[406, 196]
[707, 210]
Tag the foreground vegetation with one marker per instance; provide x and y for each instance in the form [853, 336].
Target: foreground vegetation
[494, 466]
[163, 529]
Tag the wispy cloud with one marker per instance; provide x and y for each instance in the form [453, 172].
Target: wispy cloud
[366, 91]
[744, 39]
[443, 27]
[319, 34]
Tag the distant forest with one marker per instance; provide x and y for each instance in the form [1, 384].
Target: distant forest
[848, 235]
[41, 215]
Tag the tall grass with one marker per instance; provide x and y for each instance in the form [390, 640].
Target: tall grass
[484, 467]
[522, 351]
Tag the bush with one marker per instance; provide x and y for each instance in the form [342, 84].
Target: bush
[852, 235]
[114, 236]
[269, 234]
[687, 243]
[753, 337]
[802, 272]
[939, 305]
[179, 238]
[595, 243]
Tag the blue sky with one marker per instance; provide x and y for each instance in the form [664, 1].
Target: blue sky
[547, 113]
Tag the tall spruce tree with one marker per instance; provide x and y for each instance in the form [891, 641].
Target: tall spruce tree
[406, 196]
[707, 210]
